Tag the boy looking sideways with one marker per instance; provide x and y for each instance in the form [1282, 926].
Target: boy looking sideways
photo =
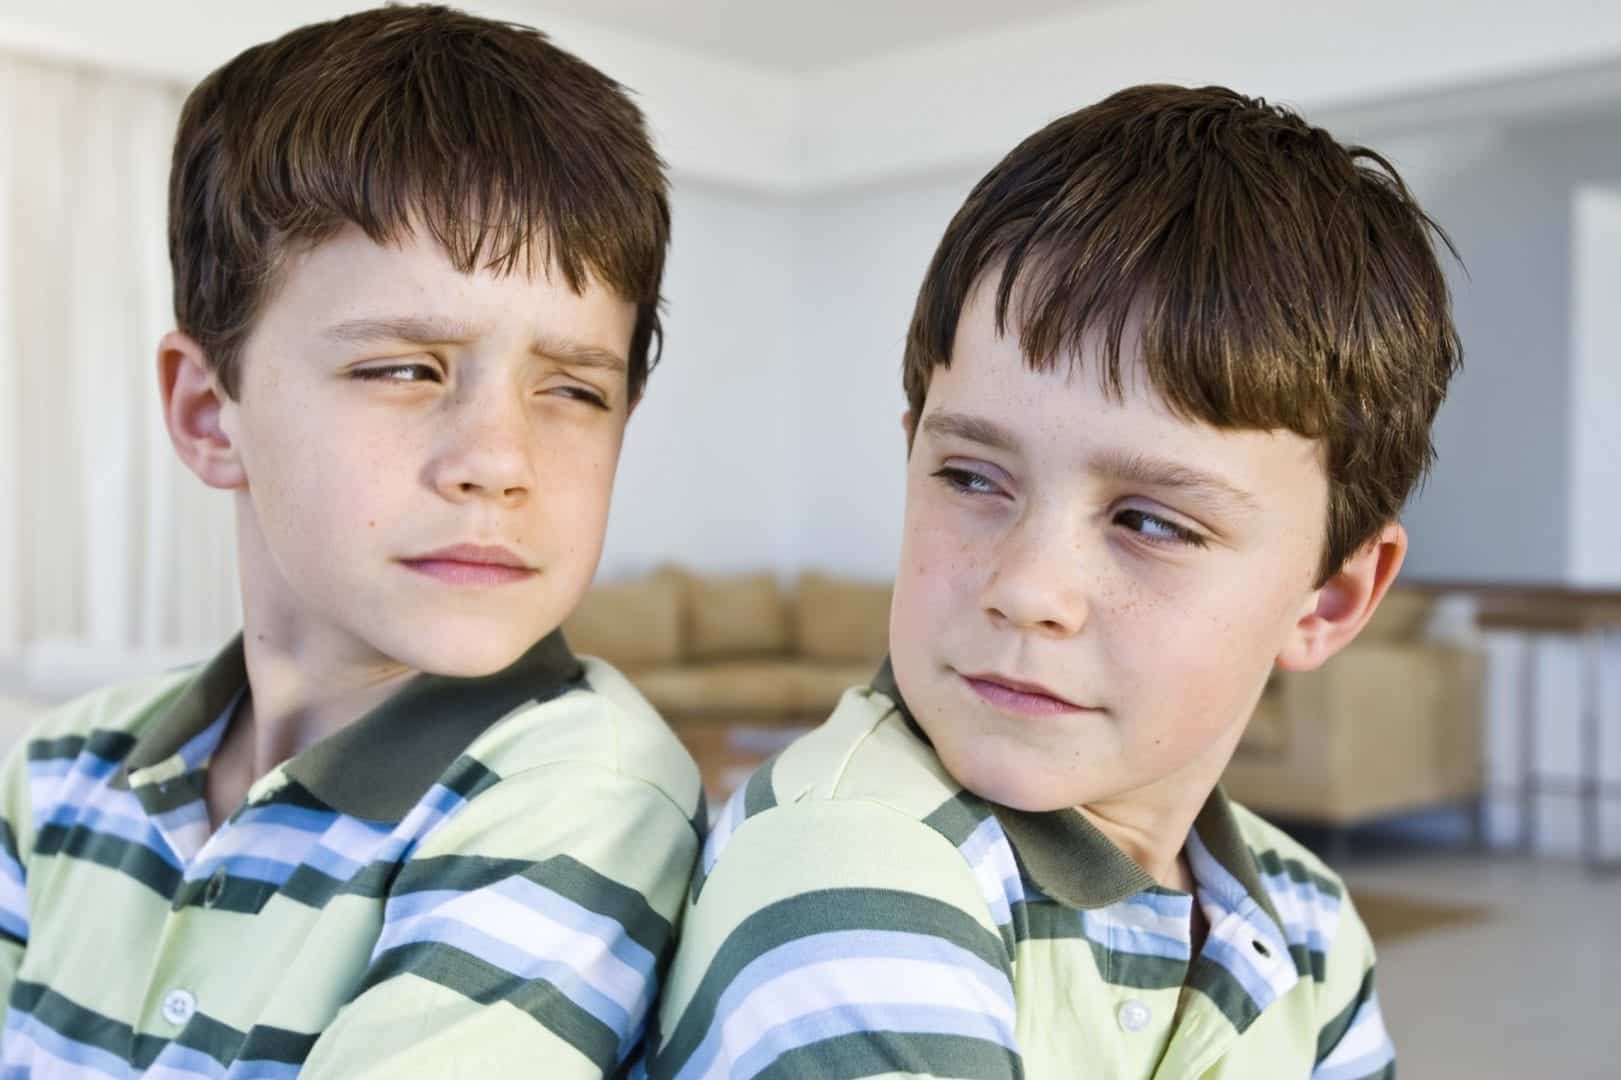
[395, 828]
[1170, 378]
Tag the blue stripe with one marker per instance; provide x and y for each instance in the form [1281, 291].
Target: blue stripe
[846, 945]
[524, 965]
[59, 1045]
[302, 819]
[14, 924]
[252, 867]
[1133, 939]
[851, 1020]
[176, 1056]
[332, 864]
[69, 815]
[201, 746]
[1236, 962]
[12, 870]
[262, 1070]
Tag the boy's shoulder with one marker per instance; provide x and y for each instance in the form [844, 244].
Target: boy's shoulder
[107, 721]
[603, 721]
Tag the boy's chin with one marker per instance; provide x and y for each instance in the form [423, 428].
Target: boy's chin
[1016, 780]
[459, 654]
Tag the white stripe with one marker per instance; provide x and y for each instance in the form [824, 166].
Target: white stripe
[538, 936]
[854, 983]
[1365, 1036]
[353, 840]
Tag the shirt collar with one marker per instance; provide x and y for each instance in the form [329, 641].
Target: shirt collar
[1069, 859]
[379, 766]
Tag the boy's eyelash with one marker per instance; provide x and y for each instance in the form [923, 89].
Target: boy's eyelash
[966, 481]
[1179, 534]
[590, 397]
[385, 373]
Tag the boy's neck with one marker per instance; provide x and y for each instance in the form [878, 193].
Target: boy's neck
[296, 697]
[1152, 824]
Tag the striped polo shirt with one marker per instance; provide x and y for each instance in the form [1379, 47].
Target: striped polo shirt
[477, 878]
[857, 913]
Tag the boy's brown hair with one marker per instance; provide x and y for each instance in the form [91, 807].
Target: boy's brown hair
[506, 150]
[1278, 280]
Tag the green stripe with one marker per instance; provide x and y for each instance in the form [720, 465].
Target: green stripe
[488, 984]
[824, 911]
[114, 852]
[958, 817]
[170, 794]
[1332, 1032]
[468, 777]
[1272, 864]
[870, 1053]
[8, 842]
[73, 1021]
[1309, 961]
[312, 888]
[566, 876]
[760, 794]
[1225, 992]
[267, 1043]
[107, 745]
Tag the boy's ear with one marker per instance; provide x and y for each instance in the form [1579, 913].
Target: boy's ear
[193, 408]
[1342, 606]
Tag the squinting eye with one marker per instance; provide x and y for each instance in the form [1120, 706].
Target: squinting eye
[967, 481]
[1157, 530]
[581, 393]
[398, 373]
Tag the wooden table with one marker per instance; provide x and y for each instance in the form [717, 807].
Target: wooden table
[1588, 617]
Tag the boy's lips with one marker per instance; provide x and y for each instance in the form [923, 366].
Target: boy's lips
[1018, 696]
[471, 564]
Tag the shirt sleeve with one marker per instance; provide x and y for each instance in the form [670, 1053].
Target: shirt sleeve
[837, 939]
[1353, 1044]
[526, 935]
[16, 834]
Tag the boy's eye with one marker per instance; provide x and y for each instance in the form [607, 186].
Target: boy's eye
[1156, 529]
[967, 481]
[581, 393]
[398, 373]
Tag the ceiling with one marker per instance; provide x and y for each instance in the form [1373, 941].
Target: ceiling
[801, 37]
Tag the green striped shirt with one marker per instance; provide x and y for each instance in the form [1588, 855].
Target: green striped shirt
[479, 877]
[857, 913]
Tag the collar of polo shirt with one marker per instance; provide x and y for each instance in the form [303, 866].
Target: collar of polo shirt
[1070, 860]
[378, 767]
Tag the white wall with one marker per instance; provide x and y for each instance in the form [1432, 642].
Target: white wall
[861, 258]
[706, 477]
[1595, 387]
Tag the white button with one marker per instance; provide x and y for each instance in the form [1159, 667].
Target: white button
[179, 1006]
[1134, 1015]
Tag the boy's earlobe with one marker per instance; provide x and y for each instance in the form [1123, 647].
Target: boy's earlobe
[1346, 601]
[193, 407]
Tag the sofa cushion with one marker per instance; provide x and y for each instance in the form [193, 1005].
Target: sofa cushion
[840, 619]
[1401, 616]
[735, 615]
[725, 688]
[632, 624]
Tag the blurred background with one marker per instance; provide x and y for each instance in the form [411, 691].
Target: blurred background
[1463, 764]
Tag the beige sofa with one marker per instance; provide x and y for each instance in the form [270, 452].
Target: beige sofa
[738, 664]
[1393, 723]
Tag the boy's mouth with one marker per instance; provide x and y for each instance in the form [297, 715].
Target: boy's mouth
[471, 564]
[1018, 696]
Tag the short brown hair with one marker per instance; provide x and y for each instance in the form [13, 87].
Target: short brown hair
[1279, 280]
[507, 150]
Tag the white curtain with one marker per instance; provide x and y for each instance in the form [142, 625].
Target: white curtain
[105, 538]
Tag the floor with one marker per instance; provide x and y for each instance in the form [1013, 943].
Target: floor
[1531, 993]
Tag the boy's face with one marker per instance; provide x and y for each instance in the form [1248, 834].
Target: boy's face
[426, 456]
[1091, 593]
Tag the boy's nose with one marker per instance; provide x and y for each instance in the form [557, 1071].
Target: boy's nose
[489, 458]
[1035, 585]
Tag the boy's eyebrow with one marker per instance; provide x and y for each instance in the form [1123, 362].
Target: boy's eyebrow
[421, 330]
[1140, 469]
[977, 429]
